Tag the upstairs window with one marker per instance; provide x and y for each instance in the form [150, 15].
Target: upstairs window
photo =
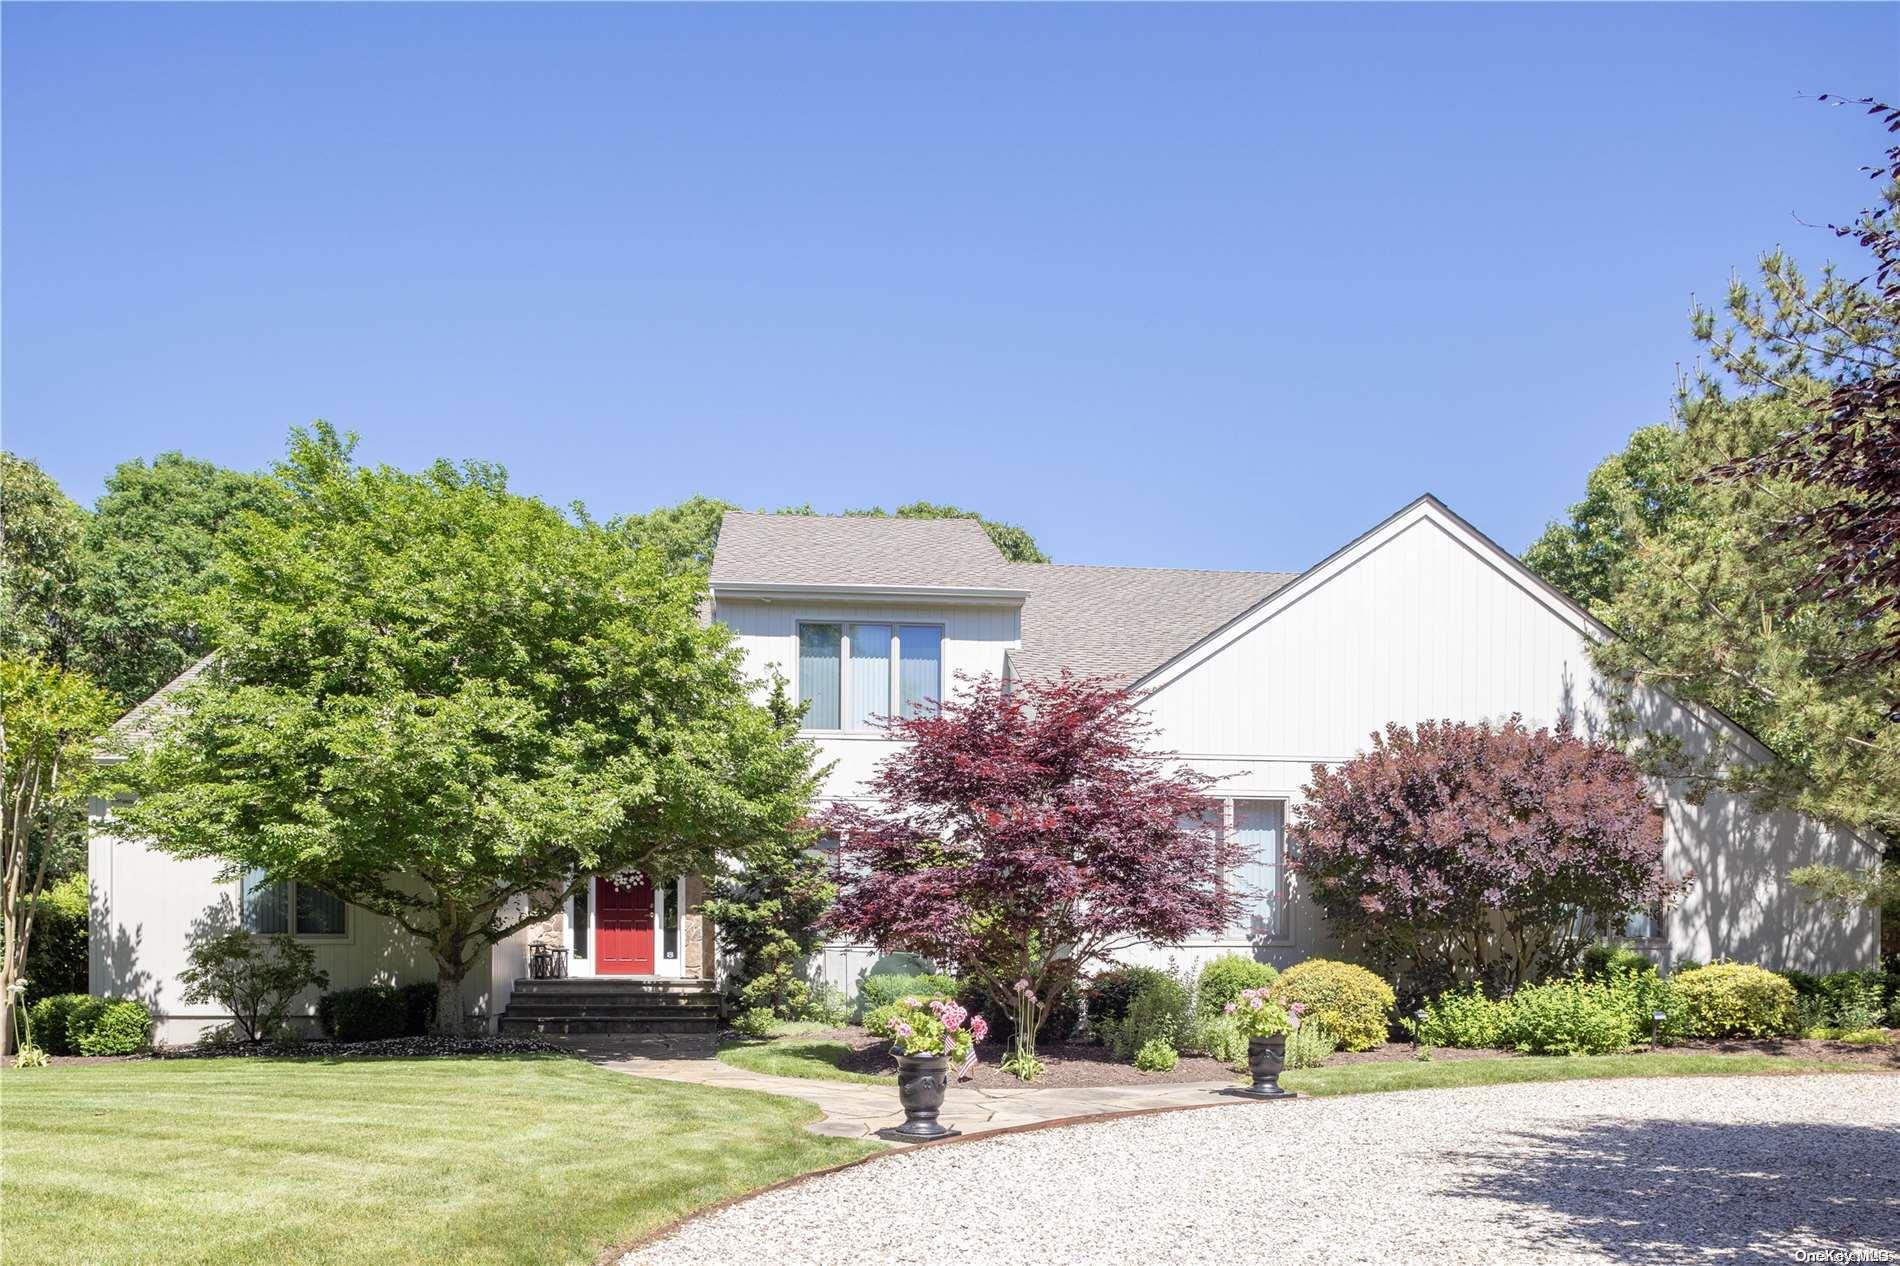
[274, 906]
[852, 674]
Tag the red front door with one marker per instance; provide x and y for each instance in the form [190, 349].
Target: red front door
[623, 926]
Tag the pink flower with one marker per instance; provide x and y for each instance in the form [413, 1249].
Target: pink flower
[1296, 1010]
[1254, 1003]
[979, 1029]
[902, 1029]
[1230, 1008]
[1022, 986]
[913, 1002]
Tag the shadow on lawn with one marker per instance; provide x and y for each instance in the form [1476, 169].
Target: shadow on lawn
[1669, 1191]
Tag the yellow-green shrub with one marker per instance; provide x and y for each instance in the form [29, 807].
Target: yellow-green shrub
[1735, 1000]
[1350, 1001]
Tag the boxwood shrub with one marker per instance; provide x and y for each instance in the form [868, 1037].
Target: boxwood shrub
[1735, 1000]
[1223, 978]
[118, 1027]
[1350, 1001]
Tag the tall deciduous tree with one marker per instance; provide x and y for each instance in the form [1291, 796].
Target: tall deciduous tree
[1028, 832]
[448, 704]
[40, 530]
[1466, 851]
[49, 718]
[148, 547]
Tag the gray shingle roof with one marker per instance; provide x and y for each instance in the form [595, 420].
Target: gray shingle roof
[140, 725]
[802, 549]
[1117, 622]
[1124, 622]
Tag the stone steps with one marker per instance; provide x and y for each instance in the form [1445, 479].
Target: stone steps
[616, 1005]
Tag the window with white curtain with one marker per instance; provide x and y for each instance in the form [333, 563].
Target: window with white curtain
[852, 675]
[282, 905]
[1255, 827]
[1257, 832]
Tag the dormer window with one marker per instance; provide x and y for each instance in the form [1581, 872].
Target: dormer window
[851, 674]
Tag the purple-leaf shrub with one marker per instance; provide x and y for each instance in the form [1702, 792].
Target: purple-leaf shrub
[1026, 833]
[1464, 851]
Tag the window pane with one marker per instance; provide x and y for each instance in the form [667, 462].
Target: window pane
[318, 913]
[818, 678]
[920, 674]
[581, 935]
[1257, 832]
[266, 904]
[870, 673]
[670, 922]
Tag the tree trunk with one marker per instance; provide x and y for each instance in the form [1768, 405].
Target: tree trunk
[448, 1004]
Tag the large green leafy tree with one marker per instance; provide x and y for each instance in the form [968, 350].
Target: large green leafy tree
[40, 530]
[150, 545]
[687, 533]
[1708, 551]
[447, 704]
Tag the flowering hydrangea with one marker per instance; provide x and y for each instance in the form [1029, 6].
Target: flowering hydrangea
[1258, 1015]
[938, 1027]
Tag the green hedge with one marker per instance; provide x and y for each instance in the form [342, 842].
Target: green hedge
[56, 958]
[79, 1024]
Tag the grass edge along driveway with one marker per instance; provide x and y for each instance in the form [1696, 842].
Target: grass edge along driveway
[796, 1055]
[513, 1159]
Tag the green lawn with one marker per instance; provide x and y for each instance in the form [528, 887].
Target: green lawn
[477, 1160]
[793, 1057]
[1354, 1079]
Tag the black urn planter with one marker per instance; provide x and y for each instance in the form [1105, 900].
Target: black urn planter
[1266, 1056]
[921, 1081]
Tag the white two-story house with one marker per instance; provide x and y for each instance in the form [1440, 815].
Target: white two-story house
[1251, 676]
[1255, 677]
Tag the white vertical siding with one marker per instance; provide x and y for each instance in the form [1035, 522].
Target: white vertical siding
[1426, 622]
[148, 908]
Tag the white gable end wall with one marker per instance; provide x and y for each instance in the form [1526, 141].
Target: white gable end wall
[1425, 619]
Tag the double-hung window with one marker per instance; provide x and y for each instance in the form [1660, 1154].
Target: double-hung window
[283, 905]
[851, 674]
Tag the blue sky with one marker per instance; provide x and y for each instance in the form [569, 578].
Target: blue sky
[1190, 286]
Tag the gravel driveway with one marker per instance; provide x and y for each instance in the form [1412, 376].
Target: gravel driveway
[1723, 1169]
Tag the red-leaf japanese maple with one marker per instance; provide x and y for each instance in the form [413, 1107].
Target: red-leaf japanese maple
[1468, 850]
[1026, 832]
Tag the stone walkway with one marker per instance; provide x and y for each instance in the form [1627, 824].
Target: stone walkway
[859, 1110]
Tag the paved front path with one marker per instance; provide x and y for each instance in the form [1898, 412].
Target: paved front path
[859, 1110]
[1689, 1169]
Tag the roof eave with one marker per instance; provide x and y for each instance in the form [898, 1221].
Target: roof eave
[779, 591]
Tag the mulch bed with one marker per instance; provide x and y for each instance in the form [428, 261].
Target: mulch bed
[1084, 1064]
[1071, 1064]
